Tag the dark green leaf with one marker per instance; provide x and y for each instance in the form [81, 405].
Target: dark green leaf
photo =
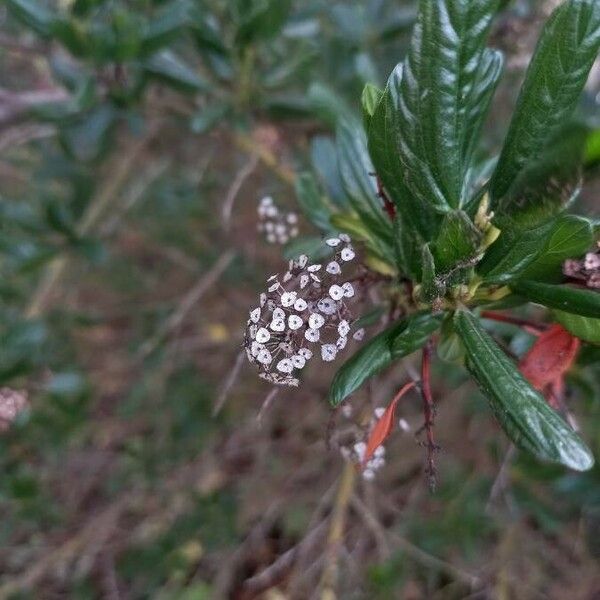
[522, 412]
[171, 70]
[431, 287]
[399, 340]
[585, 328]
[327, 105]
[556, 75]
[324, 161]
[444, 95]
[358, 180]
[163, 29]
[262, 21]
[568, 299]
[207, 118]
[312, 203]
[537, 252]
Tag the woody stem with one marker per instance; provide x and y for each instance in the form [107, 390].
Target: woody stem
[536, 328]
[428, 410]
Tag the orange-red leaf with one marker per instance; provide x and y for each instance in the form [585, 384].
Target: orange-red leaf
[550, 357]
[384, 426]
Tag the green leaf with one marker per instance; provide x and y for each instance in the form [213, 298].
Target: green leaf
[327, 105]
[208, 117]
[356, 171]
[408, 247]
[163, 29]
[431, 287]
[536, 253]
[324, 161]
[568, 299]
[585, 328]
[32, 14]
[399, 340]
[261, 21]
[444, 94]
[418, 217]
[457, 242]
[371, 95]
[312, 203]
[555, 78]
[525, 416]
[170, 69]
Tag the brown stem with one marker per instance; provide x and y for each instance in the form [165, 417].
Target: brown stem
[429, 411]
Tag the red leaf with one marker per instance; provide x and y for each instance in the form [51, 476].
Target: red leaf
[550, 357]
[384, 426]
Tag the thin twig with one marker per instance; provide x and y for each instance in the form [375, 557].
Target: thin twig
[187, 303]
[429, 411]
[500, 482]
[229, 383]
[235, 187]
[373, 525]
[329, 576]
[266, 405]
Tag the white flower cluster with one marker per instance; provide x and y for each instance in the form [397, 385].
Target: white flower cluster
[356, 452]
[303, 312]
[276, 226]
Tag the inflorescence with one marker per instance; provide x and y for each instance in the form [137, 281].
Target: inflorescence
[303, 312]
[277, 227]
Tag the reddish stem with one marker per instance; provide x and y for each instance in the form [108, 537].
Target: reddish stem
[428, 411]
[388, 205]
[530, 326]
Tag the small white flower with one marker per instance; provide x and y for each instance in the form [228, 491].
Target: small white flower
[315, 278]
[266, 201]
[343, 328]
[287, 276]
[255, 348]
[252, 329]
[294, 231]
[273, 278]
[300, 305]
[333, 268]
[312, 335]
[328, 352]
[305, 353]
[255, 315]
[277, 325]
[304, 279]
[336, 292]
[348, 289]
[345, 238]
[316, 321]
[285, 365]
[379, 451]
[294, 322]
[292, 218]
[298, 361]
[264, 357]
[379, 412]
[347, 254]
[341, 342]
[326, 306]
[360, 448]
[273, 287]
[262, 299]
[358, 335]
[288, 298]
[368, 474]
[314, 268]
[278, 313]
[302, 261]
[403, 424]
[333, 242]
[262, 336]
[272, 239]
[286, 347]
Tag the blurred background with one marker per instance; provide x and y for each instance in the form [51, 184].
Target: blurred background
[140, 455]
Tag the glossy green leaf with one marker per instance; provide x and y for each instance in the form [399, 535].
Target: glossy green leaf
[356, 171]
[537, 253]
[523, 413]
[444, 95]
[556, 75]
[399, 340]
[171, 70]
[585, 328]
[573, 300]
[417, 215]
[163, 28]
[408, 245]
[312, 203]
[431, 286]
